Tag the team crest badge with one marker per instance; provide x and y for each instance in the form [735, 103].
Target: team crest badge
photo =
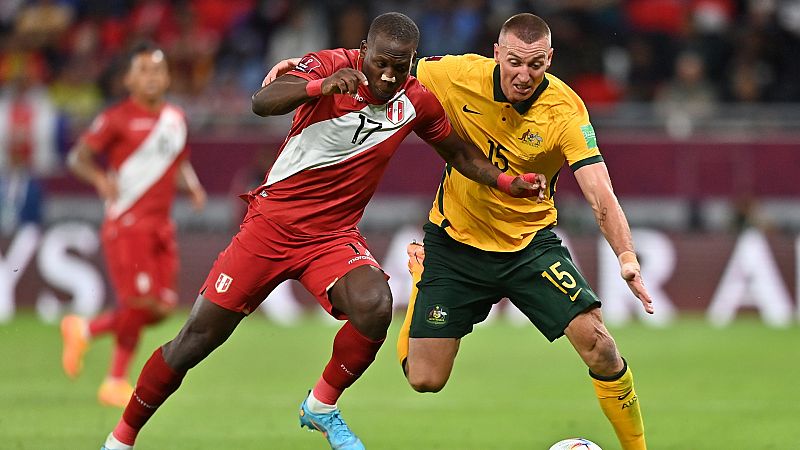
[531, 138]
[437, 316]
[394, 111]
[223, 283]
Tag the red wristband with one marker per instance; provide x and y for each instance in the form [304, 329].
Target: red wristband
[314, 88]
[504, 182]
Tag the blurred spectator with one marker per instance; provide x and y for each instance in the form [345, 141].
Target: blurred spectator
[687, 98]
[75, 93]
[43, 21]
[28, 145]
[305, 30]
[28, 127]
[8, 13]
[450, 27]
[609, 50]
[20, 199]
[191, 50]
[351, 26]
[152, 20]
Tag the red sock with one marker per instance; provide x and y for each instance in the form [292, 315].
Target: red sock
[130, 323]
[120, 361]
[103, 323]
[352, 354]
[155, 384]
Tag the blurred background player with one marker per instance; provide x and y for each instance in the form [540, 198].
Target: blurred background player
[353, 109]
[143, 139]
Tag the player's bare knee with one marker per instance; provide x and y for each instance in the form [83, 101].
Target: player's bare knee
[425, 382]
[373, 309]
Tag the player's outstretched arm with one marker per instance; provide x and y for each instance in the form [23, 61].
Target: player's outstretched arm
[596, 186]
[189, 181]
[473, 164]
[288, 91]
[81, 163]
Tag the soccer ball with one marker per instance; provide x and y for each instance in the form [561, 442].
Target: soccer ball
[575, 444]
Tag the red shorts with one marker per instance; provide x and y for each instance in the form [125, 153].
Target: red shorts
[263, 254]
[142, 262]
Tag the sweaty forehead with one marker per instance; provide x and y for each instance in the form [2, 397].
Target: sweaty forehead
[521, 49]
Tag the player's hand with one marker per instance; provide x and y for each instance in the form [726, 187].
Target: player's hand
[344, 81]
[106, 187]
[198, 198]
[279, 69]
[530, 185]
[631, 273]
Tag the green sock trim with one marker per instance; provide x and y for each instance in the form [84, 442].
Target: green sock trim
[614, 377]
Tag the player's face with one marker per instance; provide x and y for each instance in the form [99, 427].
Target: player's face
[148, 77]
[386, 65]
[522, 65]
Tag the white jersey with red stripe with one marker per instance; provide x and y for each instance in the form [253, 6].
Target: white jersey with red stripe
[144, 149]
[338, 147]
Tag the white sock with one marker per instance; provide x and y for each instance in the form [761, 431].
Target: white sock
[113, 444]
[317, 407]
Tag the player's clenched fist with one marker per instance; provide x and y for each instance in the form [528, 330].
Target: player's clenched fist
[525, 185]
[343, 81]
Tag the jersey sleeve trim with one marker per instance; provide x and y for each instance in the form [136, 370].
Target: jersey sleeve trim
[586, 162]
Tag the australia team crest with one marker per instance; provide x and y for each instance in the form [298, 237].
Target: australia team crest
[395, 111]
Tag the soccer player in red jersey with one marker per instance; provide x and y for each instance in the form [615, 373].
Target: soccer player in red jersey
[353, 108]
[144, 141]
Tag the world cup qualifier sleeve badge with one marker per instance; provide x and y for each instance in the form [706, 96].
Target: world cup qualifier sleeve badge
[436, 316]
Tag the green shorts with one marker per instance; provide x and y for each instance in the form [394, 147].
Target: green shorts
[460, 284]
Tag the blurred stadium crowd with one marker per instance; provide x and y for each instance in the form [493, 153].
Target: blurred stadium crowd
[695, 53]
[674, 66]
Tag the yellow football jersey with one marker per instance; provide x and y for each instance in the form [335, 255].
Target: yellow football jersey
[537, 135]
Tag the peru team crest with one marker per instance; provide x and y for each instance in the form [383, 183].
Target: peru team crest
[223, 283]
[394, 111]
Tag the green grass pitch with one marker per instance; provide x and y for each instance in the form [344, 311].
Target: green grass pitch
[700, 388]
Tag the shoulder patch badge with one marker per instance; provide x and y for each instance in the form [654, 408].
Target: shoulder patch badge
[588, 136]
[307, 64]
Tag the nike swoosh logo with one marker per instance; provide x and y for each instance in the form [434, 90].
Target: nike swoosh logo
[467, 110]
[622, 397]
[575, 295]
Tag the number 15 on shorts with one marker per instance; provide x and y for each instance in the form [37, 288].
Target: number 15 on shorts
[562, 279]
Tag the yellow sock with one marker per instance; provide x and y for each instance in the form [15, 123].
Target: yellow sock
[402, 339]
[621, 405]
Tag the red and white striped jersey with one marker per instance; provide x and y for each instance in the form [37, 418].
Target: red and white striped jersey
[338, 147]
[144, 149]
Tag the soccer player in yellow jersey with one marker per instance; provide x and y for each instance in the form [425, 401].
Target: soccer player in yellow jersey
[481, 245]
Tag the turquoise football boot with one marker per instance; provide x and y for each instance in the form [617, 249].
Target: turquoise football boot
[332, 426]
